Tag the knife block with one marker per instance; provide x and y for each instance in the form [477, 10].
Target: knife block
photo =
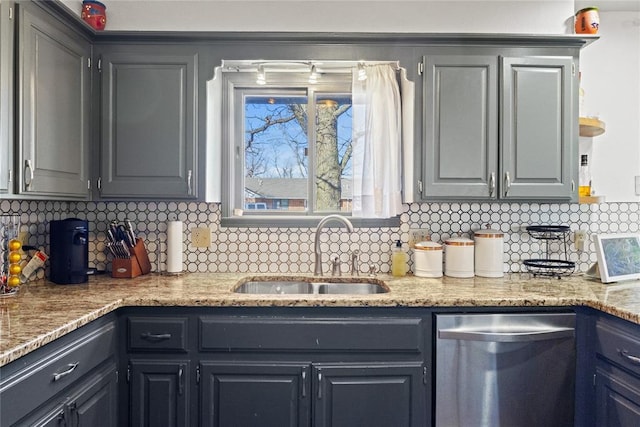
[135, 266]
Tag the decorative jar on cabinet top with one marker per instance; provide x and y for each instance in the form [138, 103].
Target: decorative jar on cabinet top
[94, 13]
[587, 21]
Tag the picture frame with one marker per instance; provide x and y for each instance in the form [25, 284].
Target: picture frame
[618, 256]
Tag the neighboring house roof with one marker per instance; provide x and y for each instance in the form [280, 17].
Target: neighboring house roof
[285, 188]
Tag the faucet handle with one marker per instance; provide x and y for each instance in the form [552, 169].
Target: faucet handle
[373, 269]
[355, 263]
[335, 266]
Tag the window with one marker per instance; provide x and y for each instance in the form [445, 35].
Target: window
[283, 163]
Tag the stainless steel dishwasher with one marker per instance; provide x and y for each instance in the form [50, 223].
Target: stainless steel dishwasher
[506, 370]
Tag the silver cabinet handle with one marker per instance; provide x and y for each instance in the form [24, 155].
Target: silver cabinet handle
[573, 186]
[319, 385]
[71, 367]
[507, 183]
[189, 179]
[630, 358]
[304, 383]
[492, 183]
[490, 336]
[28, 171]
[148, 336]
[180, 381]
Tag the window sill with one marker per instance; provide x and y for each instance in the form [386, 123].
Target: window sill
[266, 221]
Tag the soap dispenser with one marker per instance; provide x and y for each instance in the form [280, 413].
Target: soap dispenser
[398, 260]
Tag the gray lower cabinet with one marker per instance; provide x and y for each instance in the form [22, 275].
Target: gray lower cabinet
[608, 394]
[92, 404]
[248, 368]
[159, 392]
[389, 394]
[241, 393]
[287, 394]
[72, 381]
[148, 121]
[312, 370]
[499, 128]
[53, 107]
[617, 396]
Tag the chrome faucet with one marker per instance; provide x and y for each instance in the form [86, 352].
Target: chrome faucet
[316, 245]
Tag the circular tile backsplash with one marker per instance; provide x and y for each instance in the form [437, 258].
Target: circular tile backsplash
[290, 250]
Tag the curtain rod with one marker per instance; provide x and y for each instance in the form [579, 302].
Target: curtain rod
[299, 66]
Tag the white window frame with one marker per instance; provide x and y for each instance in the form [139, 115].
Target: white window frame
[239, 84]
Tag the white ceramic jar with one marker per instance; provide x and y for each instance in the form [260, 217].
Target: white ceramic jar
[458, 255]
[489, 253]
[427, 259]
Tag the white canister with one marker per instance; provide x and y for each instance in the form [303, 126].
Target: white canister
[458, 257]
[427, 259]
[489, 253]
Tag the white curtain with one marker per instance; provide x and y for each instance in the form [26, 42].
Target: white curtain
[377, 143]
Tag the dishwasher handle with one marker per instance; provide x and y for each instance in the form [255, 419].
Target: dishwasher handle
[507, 336]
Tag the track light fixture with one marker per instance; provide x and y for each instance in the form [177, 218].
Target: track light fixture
[261, 77]
[362, 73]
[313, 75]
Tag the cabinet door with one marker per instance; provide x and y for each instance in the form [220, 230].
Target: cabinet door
[6, 96]
[148, 123]
[90, 403]
[369, 395]
[539, 142]
[461, 122]
[617, 398]
[53, 106]
[159, 393]
[254, 394]
[95, 404]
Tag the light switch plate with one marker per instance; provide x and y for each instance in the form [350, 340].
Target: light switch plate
[201, 237]
[579, 239]
[417, 235]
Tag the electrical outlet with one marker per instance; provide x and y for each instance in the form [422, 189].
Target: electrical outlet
[579, 239]
[23, 236]
[201, 237]
[417, 235]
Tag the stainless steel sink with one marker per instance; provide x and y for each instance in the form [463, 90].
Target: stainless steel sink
[308, 287]
[350, 288]
[274, 287]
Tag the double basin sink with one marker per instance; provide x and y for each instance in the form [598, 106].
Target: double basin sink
[312, 286]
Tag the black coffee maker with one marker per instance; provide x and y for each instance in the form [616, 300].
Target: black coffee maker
[69, 253]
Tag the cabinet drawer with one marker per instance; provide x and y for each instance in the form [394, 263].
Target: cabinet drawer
[26, 389]
[158, 334]
[619, 345]
[312, 334]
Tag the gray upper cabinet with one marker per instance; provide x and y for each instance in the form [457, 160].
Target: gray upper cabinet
[148, 122]
[53, 108]
[461, 126]
[493, 135]
[6, 95]
[539, 144]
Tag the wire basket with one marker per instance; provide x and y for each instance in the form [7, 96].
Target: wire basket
[547, 266]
